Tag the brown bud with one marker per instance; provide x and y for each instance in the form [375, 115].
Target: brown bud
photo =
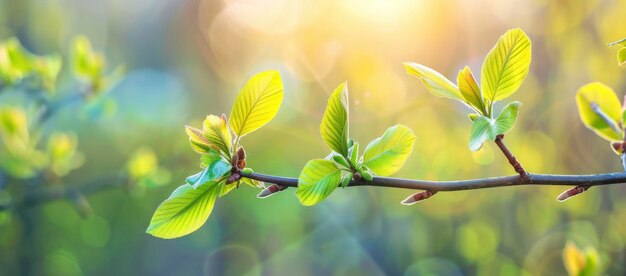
[357, 177]
[271, 190]
[241, 158]
[618, 147]
[418, 197]
[234, 177]
[571, 192]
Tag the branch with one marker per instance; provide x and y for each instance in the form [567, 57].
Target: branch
[471, 184]
[512, 160]
[43, 196]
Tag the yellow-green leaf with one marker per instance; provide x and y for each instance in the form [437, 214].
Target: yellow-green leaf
[88, 65]
[199, 143]
[602, 98]
[184, 211]
[573, 259]
[334, 127]
[485, 128]
[621, 56]
[470, 91]
[318, 180]
[257, 103]
[436, 83]
[215, 130]
[506, 65]
[386, 154]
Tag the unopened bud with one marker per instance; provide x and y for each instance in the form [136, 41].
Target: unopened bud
[234, 177]
[571, 192]
[418, 197]
[241, 158]
[272, 189]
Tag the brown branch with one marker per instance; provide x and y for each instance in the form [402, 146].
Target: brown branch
[512, 160]
[471, 184]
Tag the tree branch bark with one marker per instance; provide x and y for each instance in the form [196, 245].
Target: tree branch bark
[470, 184]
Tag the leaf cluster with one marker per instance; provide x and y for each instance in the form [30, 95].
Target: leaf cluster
[503, 72]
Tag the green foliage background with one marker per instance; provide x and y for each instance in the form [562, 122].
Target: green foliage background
[187, 59]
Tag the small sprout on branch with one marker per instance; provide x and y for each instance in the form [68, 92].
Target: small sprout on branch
[418, 197]
[271, 190]
[572, 192]
[222, 158]
[383, 156]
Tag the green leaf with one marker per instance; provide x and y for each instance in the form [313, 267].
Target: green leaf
[88, 65]
[354, 153]
[621, 56]
[334, 127]
[506, 65]
[473, 116]
[436, 83]
[184, 211]
[485, 128]
[216, 132]
[470, 91]
[317, 180]
[346, 180]
[199, 143]
[340, 160]
[252, 183]
[604, 98]
[257, 103]
[385, 155]
[215, 169]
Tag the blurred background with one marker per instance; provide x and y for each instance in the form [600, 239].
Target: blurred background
[186, 59]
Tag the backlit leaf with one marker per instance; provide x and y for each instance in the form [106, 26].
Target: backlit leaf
[216, 132]
[603, 98]
[436, 83]
[386, 154]
[470, 91]
[334, 127]
[506, 65]
[184, 211]
[257, 103]
[215, 169]
[318, 180]
[199, 143]
[621, 56]
[485, 128]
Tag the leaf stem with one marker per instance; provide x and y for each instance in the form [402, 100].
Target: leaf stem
[524, 176]
[605, 117]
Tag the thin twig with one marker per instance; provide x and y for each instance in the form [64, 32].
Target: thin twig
[43, 196]
[512, 160]
[605, 117]
[471, 184]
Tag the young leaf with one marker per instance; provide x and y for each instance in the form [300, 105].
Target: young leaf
[436, 83]
[317, 180]
[621, 56]
[470, 91]
[199, 143]
[386, 154]
[215, 169]
[257, 103]
[216, 132]
[603, 98]
[334, 127]
[346, 180]
[88, 65]
[354, 153]
[340, 160]
[506, 65]
[184, 211]
[485, 128]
